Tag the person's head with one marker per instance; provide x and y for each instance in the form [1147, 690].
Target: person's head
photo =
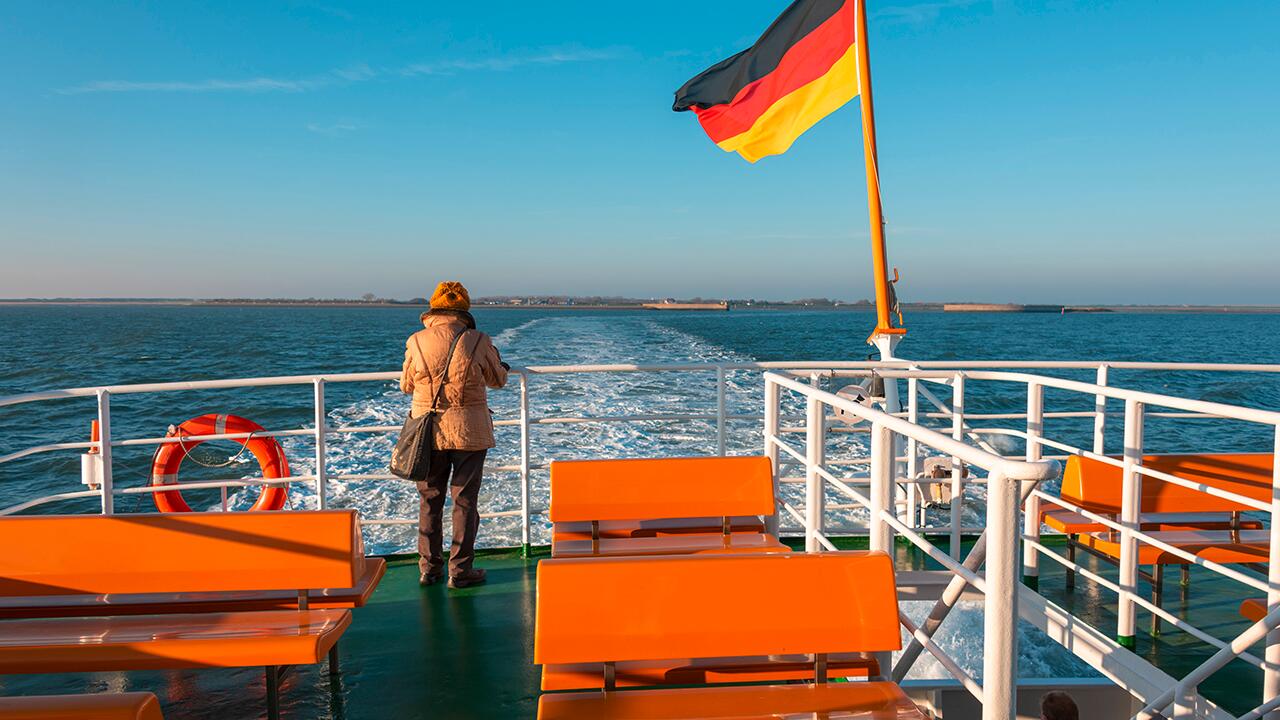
[1058, 705]
[450, 295]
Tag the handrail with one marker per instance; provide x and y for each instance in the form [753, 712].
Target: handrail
[624, 367]
[1012, 469]
[1220, 410]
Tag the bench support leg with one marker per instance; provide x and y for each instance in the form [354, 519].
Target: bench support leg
[273, 692]
[1185, 580]
[334, 666]
[1157, 596]
[1071, 555]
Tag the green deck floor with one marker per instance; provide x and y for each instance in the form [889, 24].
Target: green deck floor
[438, 653]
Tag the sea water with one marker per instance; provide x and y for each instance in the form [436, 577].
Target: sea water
[50, 347]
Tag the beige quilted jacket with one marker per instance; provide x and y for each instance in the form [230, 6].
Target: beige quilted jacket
[465, 422]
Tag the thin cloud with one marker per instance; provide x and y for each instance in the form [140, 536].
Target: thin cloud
[262, 84]
[352, 74]
[924, 12]
[334, 129]
[550, 56]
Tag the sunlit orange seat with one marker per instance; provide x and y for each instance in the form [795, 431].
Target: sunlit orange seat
[706, 671]
[194, 602]
[1096, 486]
[1074, 523]
[1254, 609]
[162, 642]
[655, 528]
[620, 502]
[255, 552]
[670, 545]
[852, 701]
[102, 706]
[622, 616]
[1220, 546]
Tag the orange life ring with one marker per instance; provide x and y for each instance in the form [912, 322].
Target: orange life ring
[169, 457]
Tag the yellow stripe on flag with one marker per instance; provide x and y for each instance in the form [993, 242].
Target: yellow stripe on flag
[791, 116]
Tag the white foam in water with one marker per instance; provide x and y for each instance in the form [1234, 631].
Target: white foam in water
[608, 339]
[567, 339]
[573, 339]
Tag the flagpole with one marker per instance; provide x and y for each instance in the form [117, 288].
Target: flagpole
[880, 265]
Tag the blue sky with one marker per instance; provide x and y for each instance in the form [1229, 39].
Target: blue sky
[1036, 151]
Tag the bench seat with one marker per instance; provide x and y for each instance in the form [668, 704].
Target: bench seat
[670, 545]
[1221, 546]
[880, 700]
[101, 706]
[706, 671]
[1074, 523]
[50, 606]
[155, 642]
[654, 528]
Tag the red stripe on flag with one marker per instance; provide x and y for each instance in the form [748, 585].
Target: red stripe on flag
[806, 61]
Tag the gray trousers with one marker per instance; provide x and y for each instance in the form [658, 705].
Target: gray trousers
[460, 471]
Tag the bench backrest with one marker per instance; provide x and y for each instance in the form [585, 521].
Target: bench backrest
[187, 552]
[586, 490]
[593, 610]
[1097, 485]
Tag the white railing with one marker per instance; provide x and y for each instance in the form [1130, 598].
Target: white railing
[1180, 694]
[869, 483]
[1005, 482]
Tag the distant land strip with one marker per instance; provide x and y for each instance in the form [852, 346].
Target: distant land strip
[692, 304]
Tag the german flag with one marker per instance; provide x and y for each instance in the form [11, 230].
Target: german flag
[802, 69]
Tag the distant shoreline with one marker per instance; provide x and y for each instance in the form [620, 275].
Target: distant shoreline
[954, 308]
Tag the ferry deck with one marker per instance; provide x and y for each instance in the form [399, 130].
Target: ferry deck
[433, 652]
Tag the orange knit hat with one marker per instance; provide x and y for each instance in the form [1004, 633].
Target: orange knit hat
[450, 295]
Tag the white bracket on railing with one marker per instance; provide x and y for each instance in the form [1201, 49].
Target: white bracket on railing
[322, 481]
[105, 485]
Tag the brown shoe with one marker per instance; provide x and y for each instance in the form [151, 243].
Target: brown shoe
[430, 578]
[467, 578]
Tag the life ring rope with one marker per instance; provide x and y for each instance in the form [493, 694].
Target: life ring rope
[244, 445]
[169, 457]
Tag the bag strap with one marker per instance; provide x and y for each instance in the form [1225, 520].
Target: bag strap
[444, 376]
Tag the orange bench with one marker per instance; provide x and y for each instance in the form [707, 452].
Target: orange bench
[1208, 526]
[1254, 609]
[1096, 486]
[661, 506]
[56, 556]
[202, 602]
[598, 620]
[102, 706]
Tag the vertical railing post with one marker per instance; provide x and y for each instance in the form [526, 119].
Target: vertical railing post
[1000, 646]
[526, 536]
[104, 449]
[1271, 676]
[913, 452]
[322, 474]
[882, 462]
[883, 466]
[815, 484]
[1130, 510]
[771, 396]
[1100, 414]
[957, 465]
[721, 438]
[1031, 514]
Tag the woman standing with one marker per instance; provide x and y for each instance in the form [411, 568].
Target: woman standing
[462, 432]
